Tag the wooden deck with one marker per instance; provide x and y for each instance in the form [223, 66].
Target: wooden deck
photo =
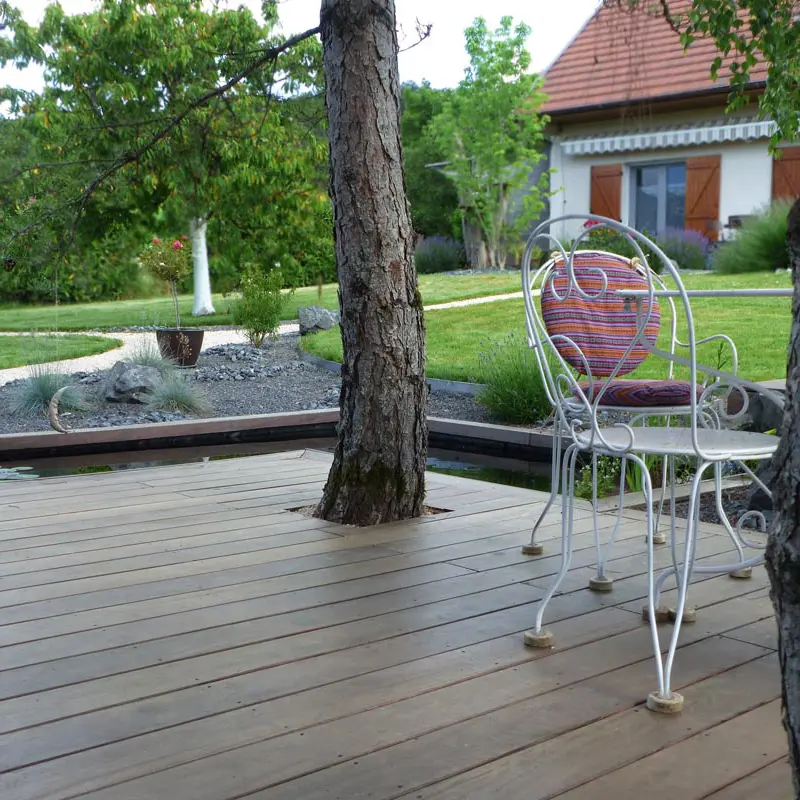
[175, 633]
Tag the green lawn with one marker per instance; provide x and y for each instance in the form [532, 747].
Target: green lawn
[158, 311]
[21, 351]
[759, 328]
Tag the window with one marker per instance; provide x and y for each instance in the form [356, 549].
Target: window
[659, 197]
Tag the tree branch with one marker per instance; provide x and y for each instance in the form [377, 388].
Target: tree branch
[423, 32]
[133, 156]
[635, 5]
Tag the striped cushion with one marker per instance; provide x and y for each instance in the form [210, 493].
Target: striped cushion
[601, 327]
[640, 393]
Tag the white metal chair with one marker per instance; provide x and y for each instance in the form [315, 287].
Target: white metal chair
[638, 400]
[566, 288]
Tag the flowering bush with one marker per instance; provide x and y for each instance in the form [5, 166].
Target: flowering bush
[610, 241]
[439, 254]
[688, 249]
[171, 262]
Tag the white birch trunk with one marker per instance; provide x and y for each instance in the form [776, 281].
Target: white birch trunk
[202, 280]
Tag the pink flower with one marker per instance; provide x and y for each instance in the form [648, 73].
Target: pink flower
[156, 240]
[184, 238]
[590, 223]
[176, 245]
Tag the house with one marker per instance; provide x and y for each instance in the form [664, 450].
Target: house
[639, 132]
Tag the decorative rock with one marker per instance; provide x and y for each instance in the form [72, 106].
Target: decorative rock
[316, 318]
[131, 383]
[757, 499]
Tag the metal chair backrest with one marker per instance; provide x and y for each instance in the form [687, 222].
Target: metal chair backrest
[592, 328]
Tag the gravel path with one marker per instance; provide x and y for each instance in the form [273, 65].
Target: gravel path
[131, 341]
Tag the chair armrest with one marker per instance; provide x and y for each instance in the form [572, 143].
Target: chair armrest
[720, 337]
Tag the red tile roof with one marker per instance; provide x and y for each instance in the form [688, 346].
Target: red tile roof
[623, 56]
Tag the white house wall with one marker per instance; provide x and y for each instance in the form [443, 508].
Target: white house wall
[745, 180]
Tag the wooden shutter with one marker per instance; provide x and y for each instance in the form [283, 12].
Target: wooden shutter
[702, 195]
[786, 174]
[606, 191]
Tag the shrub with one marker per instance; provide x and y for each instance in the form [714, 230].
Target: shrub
[258, 312]
[759, 246]
[145, 353]
[688, 249]
[98, 269]
[439, 254]
[514, 387]
[610, 241]
[607, 478]
[177, 394]
[32, 396]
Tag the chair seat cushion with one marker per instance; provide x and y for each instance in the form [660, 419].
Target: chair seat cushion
[640, 393]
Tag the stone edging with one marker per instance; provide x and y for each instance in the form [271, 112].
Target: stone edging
[437, 384]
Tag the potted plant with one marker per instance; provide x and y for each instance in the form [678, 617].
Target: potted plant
[172, 261]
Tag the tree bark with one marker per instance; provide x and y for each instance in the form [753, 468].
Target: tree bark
[474, 244]
[378, 472]
[202, 280]
[783, 549]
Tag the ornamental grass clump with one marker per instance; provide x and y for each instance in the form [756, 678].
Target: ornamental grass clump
[760, 244]
[170, 262]
[146, 354]
[514, 388]
[31, 396]
[176, 393]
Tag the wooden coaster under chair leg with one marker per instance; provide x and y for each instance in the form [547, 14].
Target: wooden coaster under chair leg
[658, 538]
[532, 549]
[542, 638]
[689, 614]
[662, 614]
[742, 574]
[665, 705]
[600, 583]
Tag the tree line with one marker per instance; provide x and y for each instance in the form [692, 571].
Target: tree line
[115, 148]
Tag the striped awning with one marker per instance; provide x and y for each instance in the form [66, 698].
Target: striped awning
[663, 138]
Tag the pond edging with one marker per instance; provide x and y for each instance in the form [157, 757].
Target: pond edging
[436, 384]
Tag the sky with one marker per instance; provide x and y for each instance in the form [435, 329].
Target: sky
[440, 59]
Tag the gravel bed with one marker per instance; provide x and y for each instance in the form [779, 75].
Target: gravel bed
[734, 504]
[236, 380]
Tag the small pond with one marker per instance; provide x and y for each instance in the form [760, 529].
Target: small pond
[510, 472]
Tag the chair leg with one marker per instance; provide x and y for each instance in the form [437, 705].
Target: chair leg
[668, 464]
[744, 571]
[667, 469]
[601, 582]
[538, 637]
[664, 700]
[534, 548]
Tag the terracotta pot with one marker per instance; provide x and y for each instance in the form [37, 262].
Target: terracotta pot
[181, 345]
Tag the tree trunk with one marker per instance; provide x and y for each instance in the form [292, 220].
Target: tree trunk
[474, 244]
[378, 472]
[783, 550]
[202, 280]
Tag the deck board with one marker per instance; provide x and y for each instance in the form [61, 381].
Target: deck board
[175, 632]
